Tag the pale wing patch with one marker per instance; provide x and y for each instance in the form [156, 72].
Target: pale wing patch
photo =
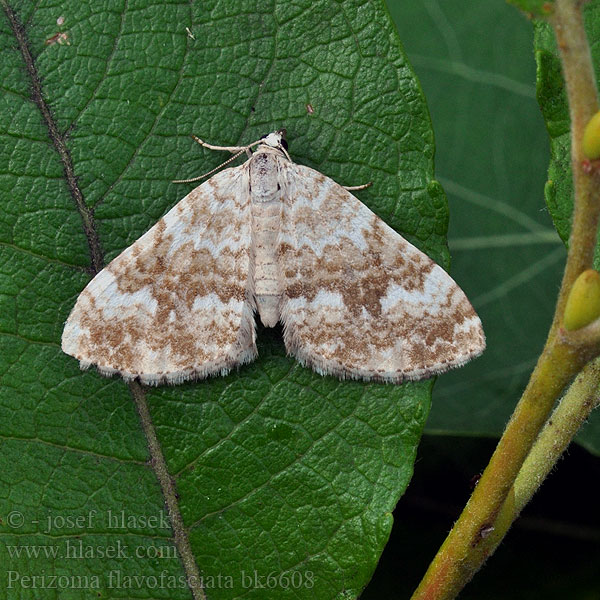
[358, 300]
[178, 303]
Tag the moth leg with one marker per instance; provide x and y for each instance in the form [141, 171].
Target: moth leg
[354, 188]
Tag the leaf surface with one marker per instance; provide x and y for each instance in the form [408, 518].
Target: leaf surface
[285, 480]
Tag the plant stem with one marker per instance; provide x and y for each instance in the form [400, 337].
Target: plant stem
[581, 91]
[467, 546]
[573, 409]
[491, 508]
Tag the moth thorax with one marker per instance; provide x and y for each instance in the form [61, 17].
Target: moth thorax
[264, 175]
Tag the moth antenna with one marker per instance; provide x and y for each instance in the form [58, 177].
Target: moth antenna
[239, 150]
[212, 147]
[230, 159]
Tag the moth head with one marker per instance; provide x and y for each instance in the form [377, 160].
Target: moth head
[276, 139]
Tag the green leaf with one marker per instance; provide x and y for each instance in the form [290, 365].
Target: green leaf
[277, 470]
[491, 158]
[555, 110]
[559, 187]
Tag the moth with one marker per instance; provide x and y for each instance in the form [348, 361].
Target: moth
[281, 240]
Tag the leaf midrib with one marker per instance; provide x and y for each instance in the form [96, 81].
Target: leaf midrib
[157, 460]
